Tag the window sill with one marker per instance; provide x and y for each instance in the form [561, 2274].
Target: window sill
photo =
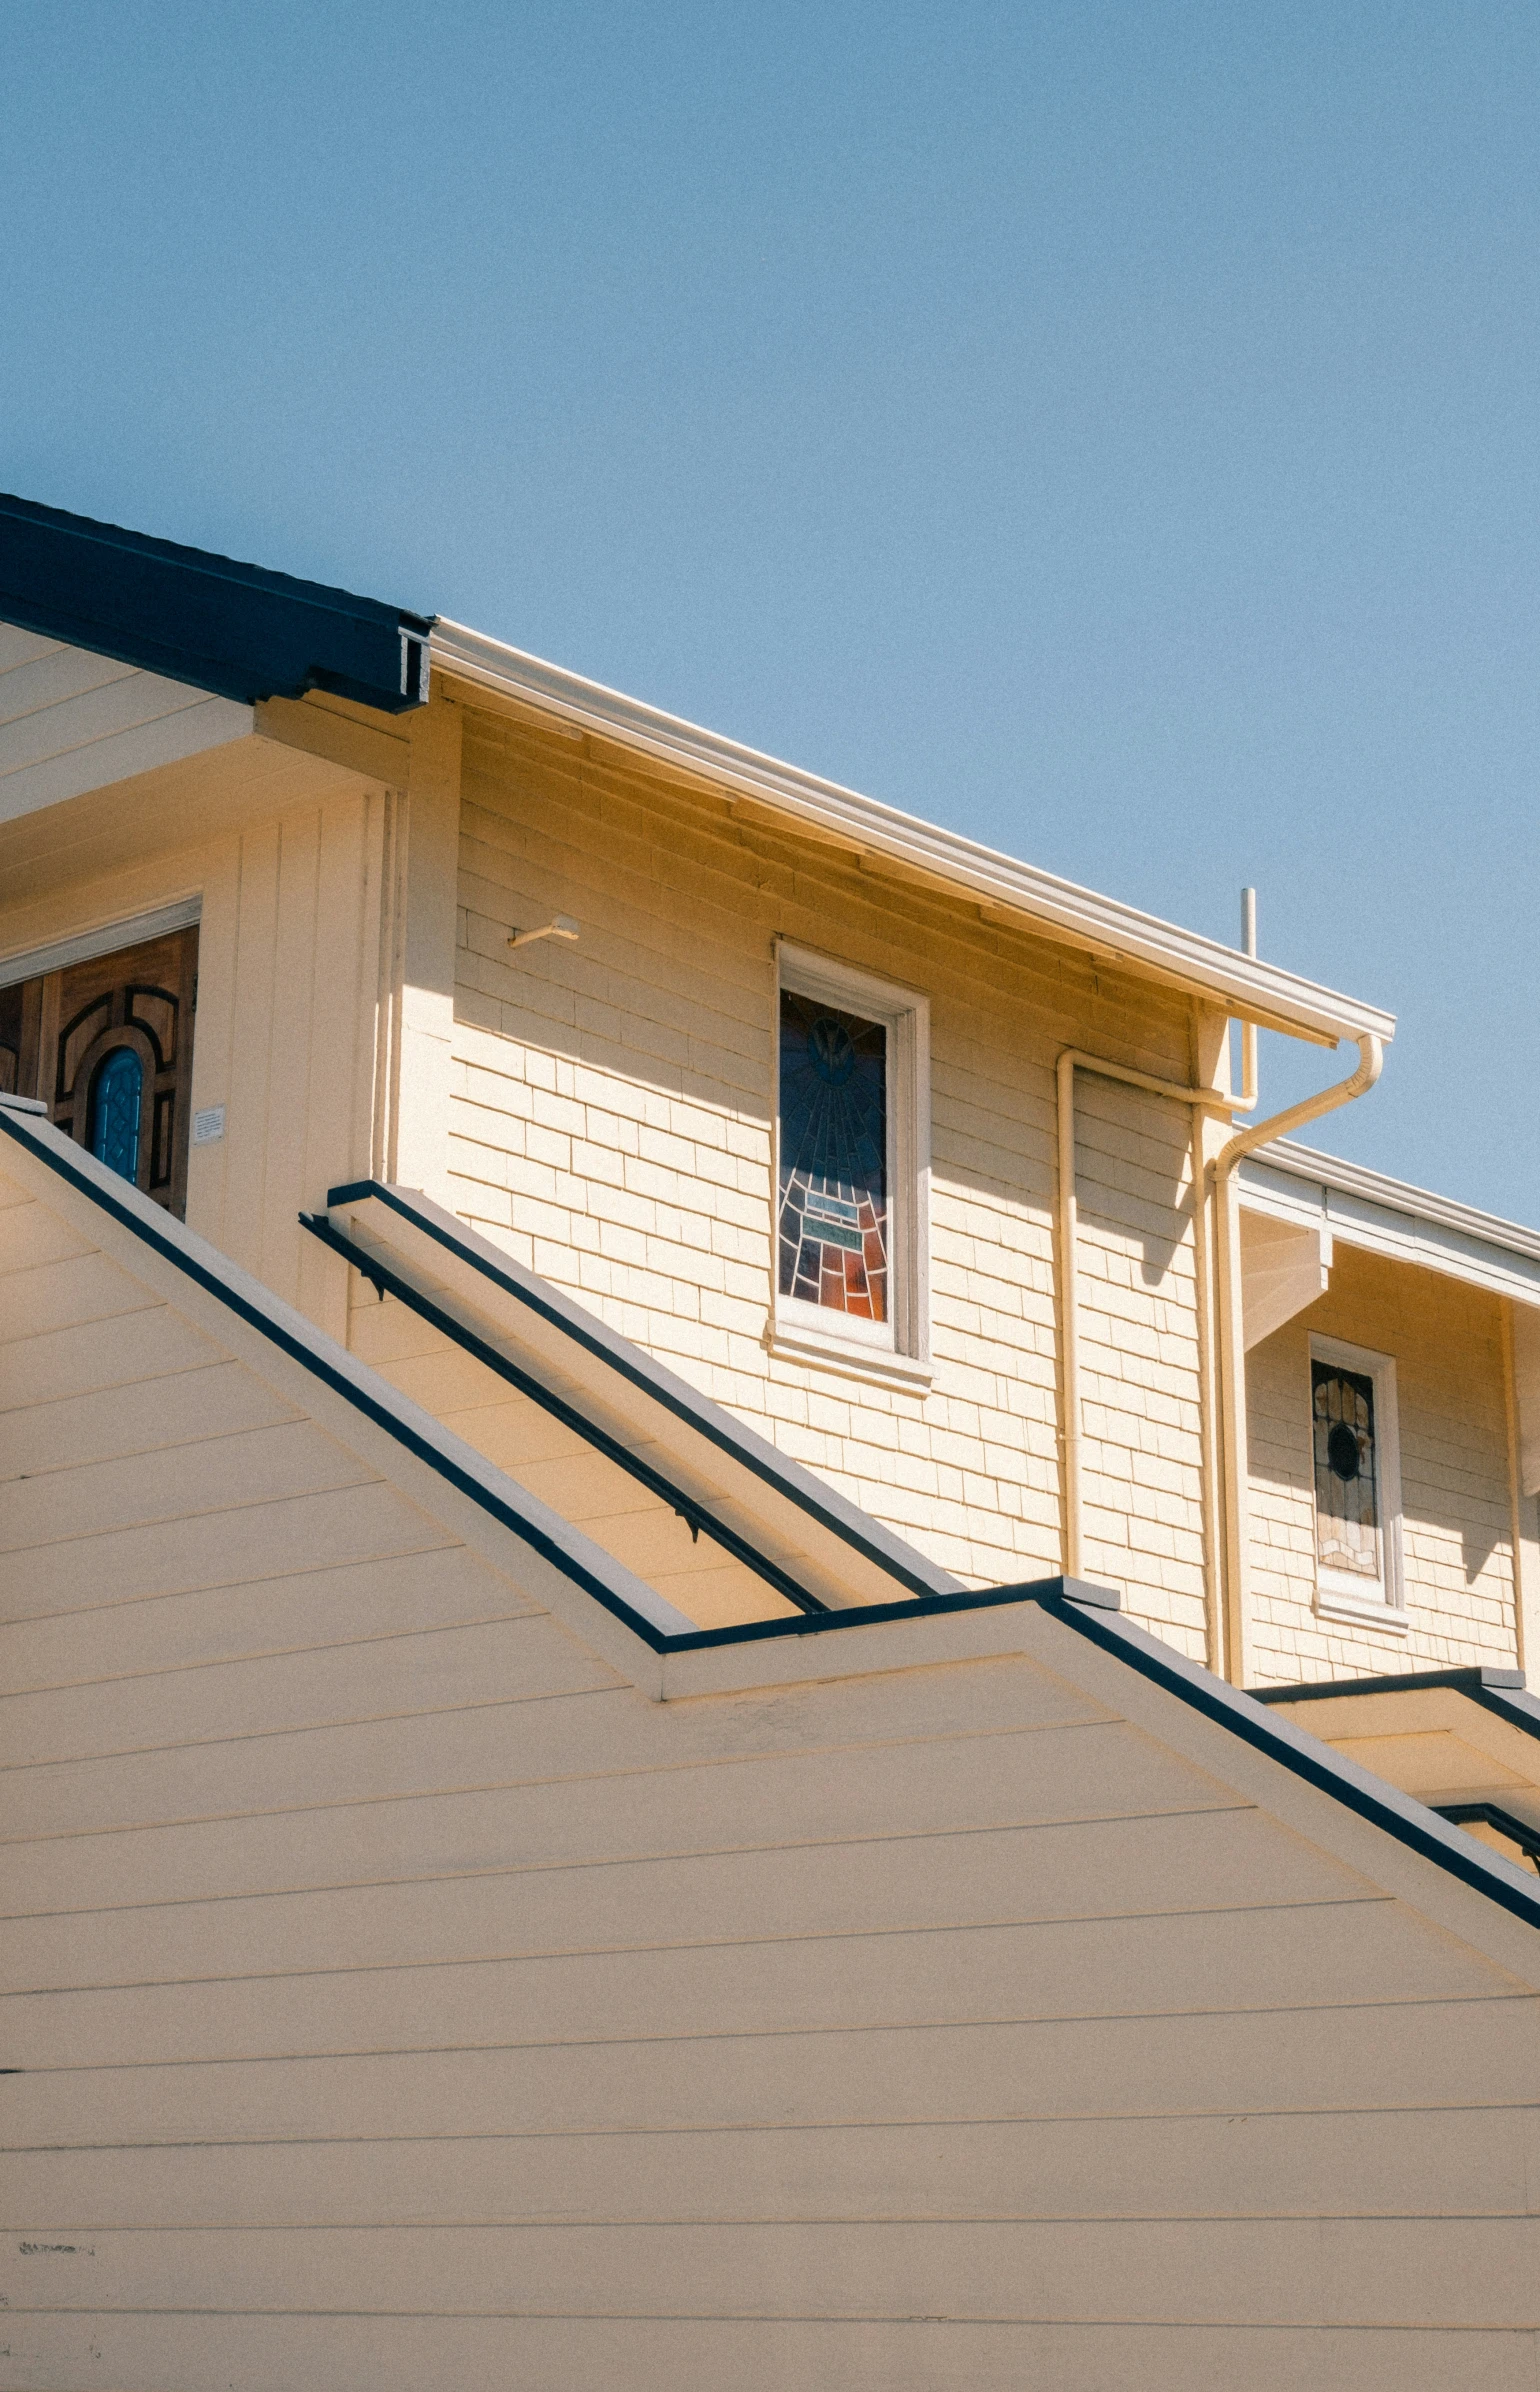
[1361, 1611]
[877, 1365]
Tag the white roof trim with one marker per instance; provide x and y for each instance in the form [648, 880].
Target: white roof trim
[1391, 1217]
[1244, 986]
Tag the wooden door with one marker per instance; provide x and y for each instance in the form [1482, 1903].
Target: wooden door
[107, 1045]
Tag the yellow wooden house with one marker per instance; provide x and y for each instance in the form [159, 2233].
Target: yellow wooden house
[747, 1642]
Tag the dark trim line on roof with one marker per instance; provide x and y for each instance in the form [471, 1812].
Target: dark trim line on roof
[300, 1350]
[919, 1607]
[653, 1381]
[237, 630]
[1246, 1716]
[1492, 1814]
[699, 1520]
[1500, 1691]
[1091, 1611]
[383, 1417]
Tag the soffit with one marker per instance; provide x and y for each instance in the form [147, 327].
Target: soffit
[1017, 893]
[1392, 1218]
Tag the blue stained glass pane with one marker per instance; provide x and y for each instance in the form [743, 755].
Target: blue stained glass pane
[115, 1112]
[833, 1193]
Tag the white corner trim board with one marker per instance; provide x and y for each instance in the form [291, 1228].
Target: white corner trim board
[1260, 991]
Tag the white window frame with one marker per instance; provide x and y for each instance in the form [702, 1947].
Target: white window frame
[895, 1351]
[1341, 1594]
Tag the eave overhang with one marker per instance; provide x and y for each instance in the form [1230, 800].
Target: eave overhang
[1240, 984]
[1393, 1217]
[238, 631]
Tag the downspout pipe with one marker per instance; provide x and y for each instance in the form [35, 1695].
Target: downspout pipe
[1232, 1343]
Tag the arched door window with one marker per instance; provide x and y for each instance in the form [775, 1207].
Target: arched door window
[107, 1044]
[117, 1095]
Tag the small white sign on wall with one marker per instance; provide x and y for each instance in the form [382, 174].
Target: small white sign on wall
[208, 1125]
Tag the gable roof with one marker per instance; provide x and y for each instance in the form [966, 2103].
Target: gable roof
[207, 621]
[861, 1640]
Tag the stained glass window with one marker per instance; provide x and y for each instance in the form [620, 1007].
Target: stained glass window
[833, 1220]
[1347, 1506]
[115, 1099]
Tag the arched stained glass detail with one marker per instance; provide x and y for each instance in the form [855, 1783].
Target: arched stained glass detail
[115, 1102]
[833, 1194]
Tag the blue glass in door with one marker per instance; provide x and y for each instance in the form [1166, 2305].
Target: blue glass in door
[115, 1102]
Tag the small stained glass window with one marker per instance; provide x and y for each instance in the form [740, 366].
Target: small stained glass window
[832, 1200]
[1347, 1503]
[115, 1101]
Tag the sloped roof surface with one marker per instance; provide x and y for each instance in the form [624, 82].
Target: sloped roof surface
[237, 630]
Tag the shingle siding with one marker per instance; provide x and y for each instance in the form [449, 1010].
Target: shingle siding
[1447, 1341]
[612, 1126]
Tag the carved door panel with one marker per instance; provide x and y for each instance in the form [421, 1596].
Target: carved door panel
[107, 1045]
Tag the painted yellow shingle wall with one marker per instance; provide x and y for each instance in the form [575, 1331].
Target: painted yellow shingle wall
[1446, 1338]
[612, 1127]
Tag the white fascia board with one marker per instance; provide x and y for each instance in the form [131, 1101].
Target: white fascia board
[1391, 1217]
[1244, 987]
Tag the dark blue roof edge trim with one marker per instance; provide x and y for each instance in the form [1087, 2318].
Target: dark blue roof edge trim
[1399, 1815]
[1500, 1691]
[383, 1417]
[1493, 1814]
[920, 1607]
[1091, 1611]
[1468, 1680]
[656, 1481]
[239, 631]
[895, 1561]
[298, 1350]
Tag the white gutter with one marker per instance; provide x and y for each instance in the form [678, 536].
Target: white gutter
[1392, 1217]
[1240, 984]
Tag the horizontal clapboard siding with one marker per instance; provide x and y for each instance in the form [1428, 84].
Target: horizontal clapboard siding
[399, 1998]
[542, 2354]
[644, 1530]
[1337, 1954]
[1427, 2057]
[71, 720]
[1208, 2271]
[104, 1640]
[900, 1885]
[775, 1802]
[1474, 2162]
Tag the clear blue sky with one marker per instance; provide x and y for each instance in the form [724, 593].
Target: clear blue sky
[1110, 430]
